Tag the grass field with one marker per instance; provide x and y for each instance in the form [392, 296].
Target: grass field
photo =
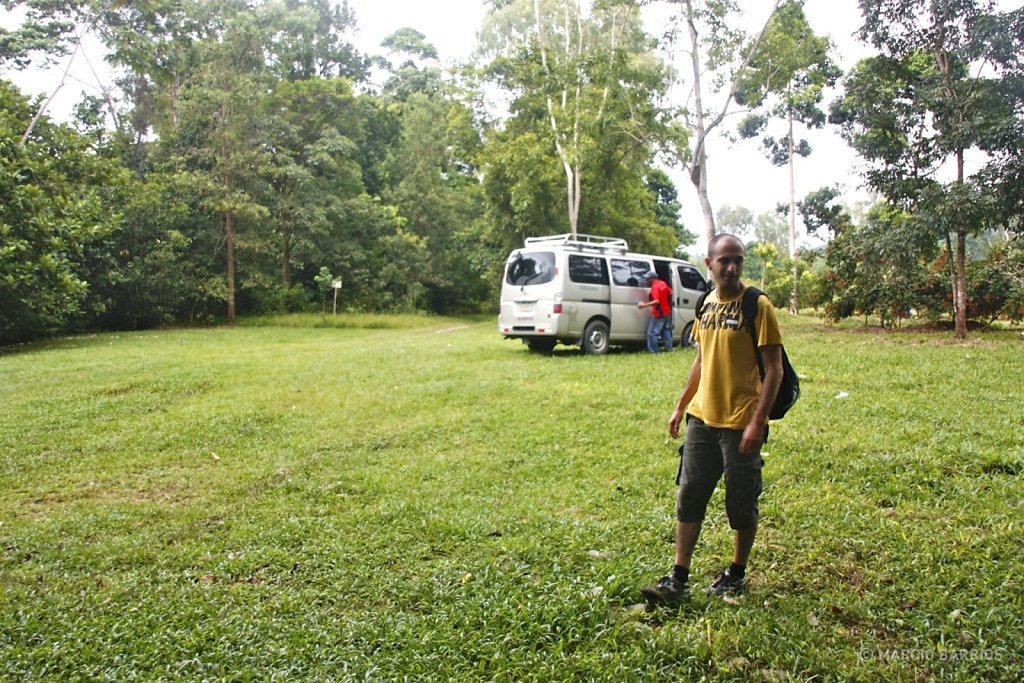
[391, 498]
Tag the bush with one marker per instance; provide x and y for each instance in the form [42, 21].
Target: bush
[993, 291]
[281, 299]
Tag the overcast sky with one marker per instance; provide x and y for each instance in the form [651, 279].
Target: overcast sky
[738, 172]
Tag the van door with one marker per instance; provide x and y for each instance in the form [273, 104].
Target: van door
[691, 285]
[587, 294]
[629, 323]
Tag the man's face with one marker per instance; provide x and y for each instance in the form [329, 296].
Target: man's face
[726, 264]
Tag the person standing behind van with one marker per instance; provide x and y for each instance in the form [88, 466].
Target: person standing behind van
[660, 325]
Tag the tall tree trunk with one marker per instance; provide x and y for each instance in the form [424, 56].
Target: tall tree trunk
[951, 262]
[794, 296]
[701, 127]
[568, 147]
[961, 283]
[175, 92]
[574, 206]
[960, 286]
[229, 211]
[571, 165]
[46, 103]
[286, 256]
[229, 239]
[699, 166]
[944, 63]
[699, 178]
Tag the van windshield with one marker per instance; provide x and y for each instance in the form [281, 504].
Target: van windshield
[531, 268]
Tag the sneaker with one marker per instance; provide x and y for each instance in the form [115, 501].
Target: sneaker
[725, 583]
[668, 591]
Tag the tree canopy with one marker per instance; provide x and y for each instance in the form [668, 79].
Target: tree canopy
[248, 148]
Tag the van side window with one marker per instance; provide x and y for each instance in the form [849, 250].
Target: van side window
[591, 270]
[536, 268]
[628, 273]
[690, 278]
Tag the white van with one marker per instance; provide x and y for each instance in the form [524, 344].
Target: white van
[584, 290]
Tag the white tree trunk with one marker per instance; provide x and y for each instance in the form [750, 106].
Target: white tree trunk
[568, 147]
[700, 125]
[794, 296]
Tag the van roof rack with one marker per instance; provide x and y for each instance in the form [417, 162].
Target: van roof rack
[582, 242]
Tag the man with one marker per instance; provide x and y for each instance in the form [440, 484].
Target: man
[660, 324]
[726, 422]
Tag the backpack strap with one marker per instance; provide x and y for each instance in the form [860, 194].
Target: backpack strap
[698, 308]
[749, 308]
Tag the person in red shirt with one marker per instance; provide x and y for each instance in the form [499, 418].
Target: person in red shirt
[660, 325]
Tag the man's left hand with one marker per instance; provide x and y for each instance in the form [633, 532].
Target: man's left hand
[753, 438]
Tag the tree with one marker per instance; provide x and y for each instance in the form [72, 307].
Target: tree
[174, 32]
[222, 142]
[157, 265]
[324, 283]
[786, 79]
[410, 42]
[947, 83]
[51, 216]
[400, 283]
[431, 166]
[316, 131]
[311, 40]
[437, 190]
[47, 32]
[584, 128]
[767, 227]
[584, 83]
[880, 264]
[723, 60]
[417, 72]
[667, 208]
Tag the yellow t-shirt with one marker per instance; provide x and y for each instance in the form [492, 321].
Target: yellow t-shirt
[730, 383]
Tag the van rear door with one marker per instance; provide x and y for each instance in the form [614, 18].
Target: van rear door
[527, 293]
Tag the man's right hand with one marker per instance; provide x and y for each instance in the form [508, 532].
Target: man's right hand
[673, 424]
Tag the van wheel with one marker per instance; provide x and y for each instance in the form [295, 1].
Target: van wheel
[687, 338]
[541, 345]
[595, 337]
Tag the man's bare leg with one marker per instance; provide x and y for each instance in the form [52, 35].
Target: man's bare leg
[687, 534]
[742, 544]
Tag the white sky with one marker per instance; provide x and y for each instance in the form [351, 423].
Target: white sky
[738, 172]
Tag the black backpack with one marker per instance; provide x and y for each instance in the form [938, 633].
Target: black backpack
[789, 388]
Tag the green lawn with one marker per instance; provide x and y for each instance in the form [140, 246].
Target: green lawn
[389, 498]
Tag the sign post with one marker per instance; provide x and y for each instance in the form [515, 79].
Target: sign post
[336, 286]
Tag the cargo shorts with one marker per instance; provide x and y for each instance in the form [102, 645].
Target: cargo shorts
[707, 454]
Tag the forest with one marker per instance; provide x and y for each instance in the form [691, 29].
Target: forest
[249, 158]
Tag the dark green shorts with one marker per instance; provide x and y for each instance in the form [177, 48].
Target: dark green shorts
[708, 453]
